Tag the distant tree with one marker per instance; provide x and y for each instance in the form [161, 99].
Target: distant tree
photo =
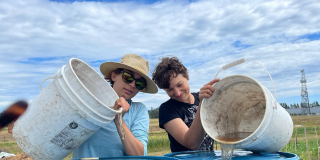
[312, 105]
[284, 105]
[154, 113]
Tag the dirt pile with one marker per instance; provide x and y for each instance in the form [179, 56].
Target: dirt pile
[22, 156]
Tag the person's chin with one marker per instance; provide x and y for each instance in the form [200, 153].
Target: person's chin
[183, 99]
[127, 96]
[180, 99]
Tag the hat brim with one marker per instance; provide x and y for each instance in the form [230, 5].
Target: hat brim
[107, 67]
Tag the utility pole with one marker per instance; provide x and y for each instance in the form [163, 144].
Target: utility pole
[305, 107]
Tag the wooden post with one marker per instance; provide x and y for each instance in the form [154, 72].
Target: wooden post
[318, 152]
[315, 129]
[295, 145]
[305, 134]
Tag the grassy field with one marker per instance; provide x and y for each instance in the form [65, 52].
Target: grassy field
[307, 130]
[159, 143]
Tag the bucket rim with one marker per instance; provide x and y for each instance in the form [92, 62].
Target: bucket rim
[264, 116]
[75, 75]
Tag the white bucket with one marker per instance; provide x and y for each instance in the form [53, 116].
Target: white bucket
[66, 113]
[241, 104]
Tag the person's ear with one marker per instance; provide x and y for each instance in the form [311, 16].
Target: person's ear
[113, 76]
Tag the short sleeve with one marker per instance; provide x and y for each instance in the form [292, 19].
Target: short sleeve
[167, 113]
[140, 125]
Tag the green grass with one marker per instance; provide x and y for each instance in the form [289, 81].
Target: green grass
[156, 143]
[159, 144]
[10, 147]
[301, 150]
[297, 144]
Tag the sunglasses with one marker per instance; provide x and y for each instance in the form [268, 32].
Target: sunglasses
[128, 78]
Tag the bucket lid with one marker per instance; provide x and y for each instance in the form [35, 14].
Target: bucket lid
[237, 155]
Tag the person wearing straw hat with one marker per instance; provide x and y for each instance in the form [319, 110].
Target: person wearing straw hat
[127, 78]
[180, 115]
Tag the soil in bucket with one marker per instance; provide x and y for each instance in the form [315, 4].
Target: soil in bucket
[243, 112]
[232, 137]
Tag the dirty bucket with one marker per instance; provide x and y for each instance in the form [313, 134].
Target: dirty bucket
[243, 112]
[237, 155]
[66, 113]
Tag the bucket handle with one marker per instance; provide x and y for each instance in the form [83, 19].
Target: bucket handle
[242, 60]
[50, 77]
[55, 76]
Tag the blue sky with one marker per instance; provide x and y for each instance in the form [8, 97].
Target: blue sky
[108, 1]
[38, 37]
[117, 1]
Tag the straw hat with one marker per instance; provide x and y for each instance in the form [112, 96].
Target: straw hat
[134, 63]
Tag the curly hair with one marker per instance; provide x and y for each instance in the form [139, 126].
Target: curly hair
[168, 68]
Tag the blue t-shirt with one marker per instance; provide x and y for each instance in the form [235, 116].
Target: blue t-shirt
[106, 141]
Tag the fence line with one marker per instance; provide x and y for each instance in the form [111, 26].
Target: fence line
[6, 139]
[305, 133]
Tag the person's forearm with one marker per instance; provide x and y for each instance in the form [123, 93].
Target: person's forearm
[195, 135]
[132, 146]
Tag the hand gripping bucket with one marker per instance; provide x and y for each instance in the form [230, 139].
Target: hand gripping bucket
[66, 113]
[241, 105]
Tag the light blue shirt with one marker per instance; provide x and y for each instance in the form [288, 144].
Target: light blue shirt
[106, 141]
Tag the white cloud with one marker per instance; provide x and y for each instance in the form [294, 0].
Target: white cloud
[39, 36]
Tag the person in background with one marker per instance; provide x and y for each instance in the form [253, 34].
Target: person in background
[12, 113]
[10, 127]
[127, 78]
[180, 115]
